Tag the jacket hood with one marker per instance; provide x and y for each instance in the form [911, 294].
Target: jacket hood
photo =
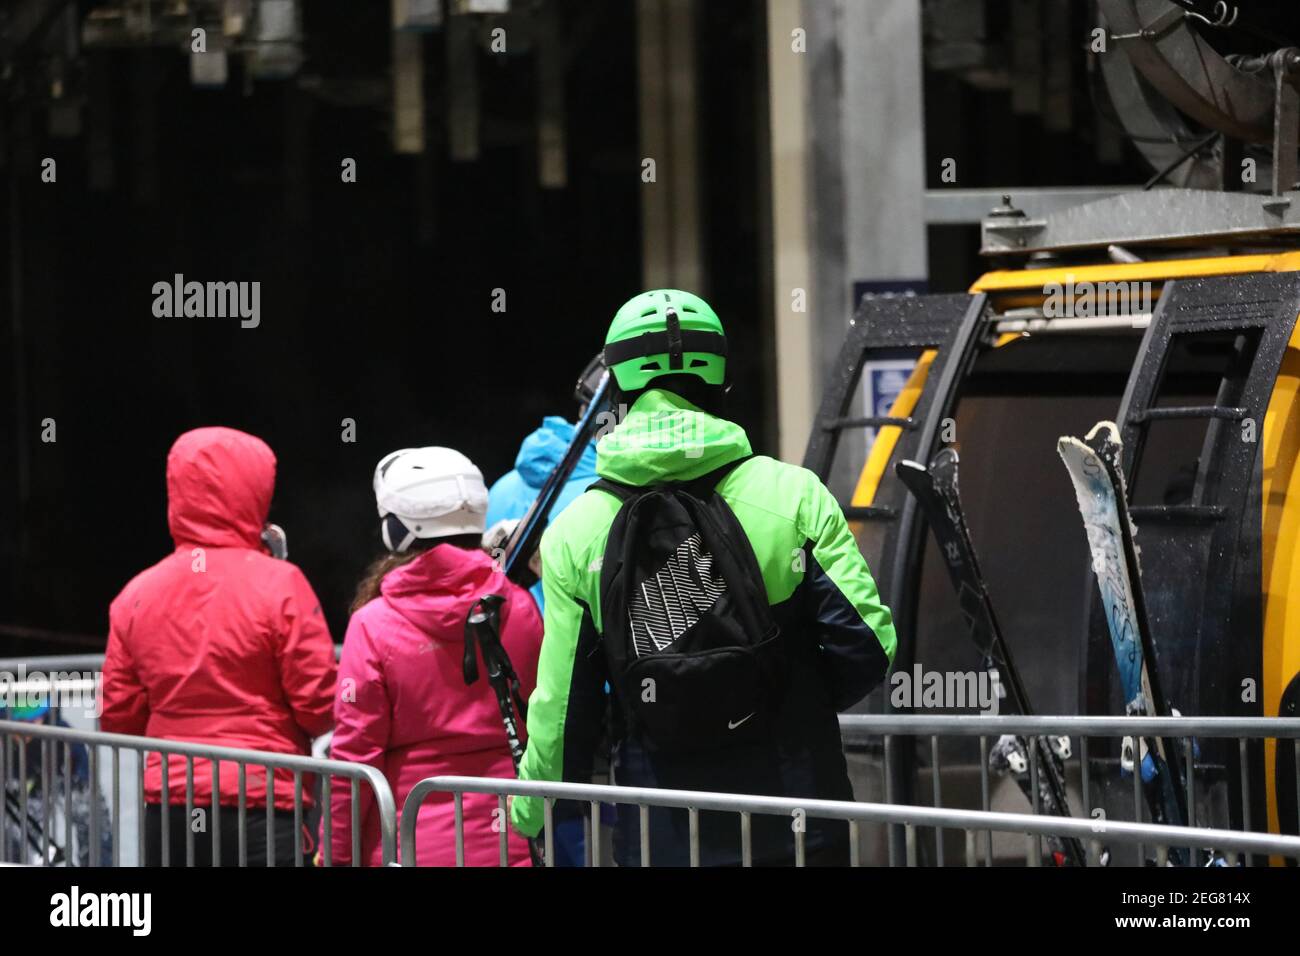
[543, 449]
[219, 487]
[434, 591]
[665, 438]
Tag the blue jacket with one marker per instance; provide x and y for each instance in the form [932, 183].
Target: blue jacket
[513, 494]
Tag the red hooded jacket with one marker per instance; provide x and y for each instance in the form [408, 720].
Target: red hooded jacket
[219, 643]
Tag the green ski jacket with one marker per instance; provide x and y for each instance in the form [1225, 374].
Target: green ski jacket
[839, 637]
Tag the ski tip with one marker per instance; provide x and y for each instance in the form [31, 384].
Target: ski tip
[1103, 431]
[908, 466]
[1068, 443]
[945, 457]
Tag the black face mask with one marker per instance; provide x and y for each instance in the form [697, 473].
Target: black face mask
[706, 397]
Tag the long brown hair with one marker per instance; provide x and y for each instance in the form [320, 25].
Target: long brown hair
[368, 587]
[373, 578]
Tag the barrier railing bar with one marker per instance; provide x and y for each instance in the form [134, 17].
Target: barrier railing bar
[1137, 789]
[189, 811]
[46, 805]
[67, 806]
[503, 821]
[746, 840]
[117, 809]
[1036, 849]
[297, 818]
[327, 828]
[216, 813]
[548, 822]
[242, 811]
[889, 796]
[986, 799]
[974, 725]
[1245, 783]
[938, 798]
[458, 800]
[164, 810]
[4, 790]
[22, 792]
[1094, 848]
[693, 815]
[92, 754]
[386, 809]
[270, 818]
[1121, 831]
[1189, 767]
[643, 814]
[355, 789]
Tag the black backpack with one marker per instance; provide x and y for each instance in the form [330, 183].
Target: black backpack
[694, 653]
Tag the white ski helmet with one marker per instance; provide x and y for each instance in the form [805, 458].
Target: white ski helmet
[428, 493]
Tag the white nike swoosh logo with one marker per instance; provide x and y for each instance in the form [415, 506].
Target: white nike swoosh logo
[732, 725]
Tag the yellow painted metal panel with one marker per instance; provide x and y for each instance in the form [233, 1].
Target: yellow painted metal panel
[1155, 270]
[882, 449]
[1281, 562]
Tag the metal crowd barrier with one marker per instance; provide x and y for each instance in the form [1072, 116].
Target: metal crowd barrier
[1230, 842]
[1186, 730]
[17, 805]
[888, 729]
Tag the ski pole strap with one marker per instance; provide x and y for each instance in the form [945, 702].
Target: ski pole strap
[481, 627]
[483, 634]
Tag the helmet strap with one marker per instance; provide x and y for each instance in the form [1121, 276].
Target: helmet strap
[674, 339]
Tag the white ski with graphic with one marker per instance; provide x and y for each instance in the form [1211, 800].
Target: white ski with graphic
[1096, 471]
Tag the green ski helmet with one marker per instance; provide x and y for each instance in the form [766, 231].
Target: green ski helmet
[665, 332]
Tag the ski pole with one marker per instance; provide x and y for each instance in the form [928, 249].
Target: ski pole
[482, 627]
[528, 533]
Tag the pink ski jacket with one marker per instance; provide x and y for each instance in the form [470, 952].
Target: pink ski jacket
[402, 704]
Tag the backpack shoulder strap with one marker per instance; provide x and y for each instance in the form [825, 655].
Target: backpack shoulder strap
[616, 488]
[707, 481]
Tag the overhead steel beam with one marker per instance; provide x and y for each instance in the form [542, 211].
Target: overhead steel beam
[967, 207]
[1164, 217]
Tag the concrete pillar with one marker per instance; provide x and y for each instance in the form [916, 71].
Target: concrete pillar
[791, 227]
[854, 162]
[670, 205]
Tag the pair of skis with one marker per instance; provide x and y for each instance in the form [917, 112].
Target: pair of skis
[936, 491]
[1096, 472]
